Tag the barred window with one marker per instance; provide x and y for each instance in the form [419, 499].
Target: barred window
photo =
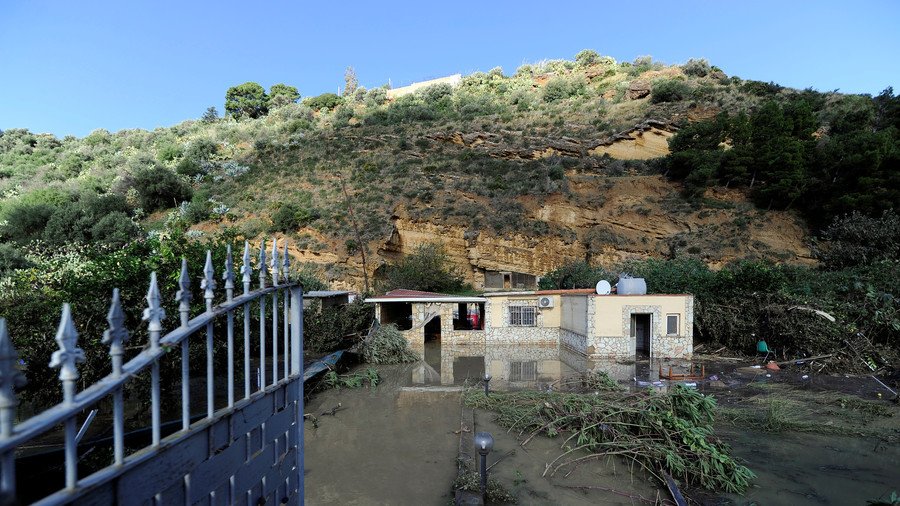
[672, 325]
[522, 316]
[522, 371]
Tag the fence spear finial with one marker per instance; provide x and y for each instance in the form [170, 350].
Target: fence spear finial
[246, 268]
[116, 335]
[68, 353]
[228, 275]
[184, 296]
[263, 268]
[274, 264]
[209, 281]
[154, 313]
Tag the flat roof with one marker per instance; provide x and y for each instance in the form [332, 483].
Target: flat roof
[420, 296]
[325, 293]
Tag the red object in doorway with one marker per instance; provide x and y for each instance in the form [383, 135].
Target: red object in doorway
[474, 320]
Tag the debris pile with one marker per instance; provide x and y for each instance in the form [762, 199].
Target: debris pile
[386, 345]
[662, 433]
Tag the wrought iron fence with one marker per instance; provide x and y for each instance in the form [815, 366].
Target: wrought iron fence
[286, 366]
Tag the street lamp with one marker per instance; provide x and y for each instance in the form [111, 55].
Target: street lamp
[484, 442]
[486, 380]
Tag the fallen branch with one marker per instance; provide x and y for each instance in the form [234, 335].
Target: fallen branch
[610, 490]
[810, 359]
[507, 454]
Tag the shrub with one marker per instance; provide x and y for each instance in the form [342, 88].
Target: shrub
[856, 239]
[326, 329]
[25, 222]
[12, 258]
[290, 217]
[560, 88]
[587, 57]
[386, 345]
[160, 188]
[168, 151]
[115, 229]
[575, 275]
[428, 268]
[326, 101]
[696, 68]
[669, 90]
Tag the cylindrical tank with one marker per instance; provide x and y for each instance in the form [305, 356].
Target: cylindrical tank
[631, 286]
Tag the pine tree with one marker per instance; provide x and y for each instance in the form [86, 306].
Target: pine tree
[350, 82]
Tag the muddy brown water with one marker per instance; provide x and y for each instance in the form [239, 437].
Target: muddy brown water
[395, 444]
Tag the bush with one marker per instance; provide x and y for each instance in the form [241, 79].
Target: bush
[160, 188]
[669, 90]
[696, 68]
[428, 268]
[12, 258]
[325, 329]
[290, 217]
[386, 345]
[587, 57]
[115, 229]
[560, 88]
[575, 275]
[326, 101]
[25, 222]
[857, 239]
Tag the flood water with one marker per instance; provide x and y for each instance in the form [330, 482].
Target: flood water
[395, 444]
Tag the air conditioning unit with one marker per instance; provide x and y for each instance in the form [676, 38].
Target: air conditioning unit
[545, 302]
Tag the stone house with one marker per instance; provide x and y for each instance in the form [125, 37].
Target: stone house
[619, 327]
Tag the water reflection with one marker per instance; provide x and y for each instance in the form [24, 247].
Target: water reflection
[528, 366]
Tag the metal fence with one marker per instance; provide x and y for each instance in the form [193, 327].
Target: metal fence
[279, 364]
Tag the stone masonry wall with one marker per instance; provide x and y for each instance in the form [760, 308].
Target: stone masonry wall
[506, 334]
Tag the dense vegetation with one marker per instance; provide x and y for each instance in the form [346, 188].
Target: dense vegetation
[826, 156]
[81, 215]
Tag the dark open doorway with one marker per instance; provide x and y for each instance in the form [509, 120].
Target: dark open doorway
[432, 332]
[640, 331]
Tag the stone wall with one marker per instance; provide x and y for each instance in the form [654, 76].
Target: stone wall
[573, 341]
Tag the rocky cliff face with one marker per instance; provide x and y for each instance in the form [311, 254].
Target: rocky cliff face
[639, 218]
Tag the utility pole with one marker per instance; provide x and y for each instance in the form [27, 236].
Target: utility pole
[362, 246]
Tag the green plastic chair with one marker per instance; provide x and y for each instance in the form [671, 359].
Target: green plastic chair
[762, 347]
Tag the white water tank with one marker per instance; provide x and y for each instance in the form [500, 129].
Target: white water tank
[631, 286]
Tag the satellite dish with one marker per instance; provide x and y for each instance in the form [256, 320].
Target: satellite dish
[603, 287]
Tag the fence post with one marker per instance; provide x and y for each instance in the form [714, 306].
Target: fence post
[297, 370]
[10, 379]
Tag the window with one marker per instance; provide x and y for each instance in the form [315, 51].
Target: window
[672, 325]
[522, 371]
[522, 316]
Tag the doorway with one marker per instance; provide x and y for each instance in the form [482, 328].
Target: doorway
[640, 332]
[432, 332]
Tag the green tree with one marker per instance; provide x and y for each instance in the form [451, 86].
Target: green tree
[211, 115]
[428, 268]
[246, 100]
[575, 275]
[324, 101]
[281, 95]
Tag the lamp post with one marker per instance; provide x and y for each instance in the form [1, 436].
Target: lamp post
[484, 441]
[486, 380]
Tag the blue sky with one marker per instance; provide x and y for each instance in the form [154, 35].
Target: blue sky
[71, 67]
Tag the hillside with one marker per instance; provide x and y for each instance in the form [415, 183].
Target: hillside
[558, 162]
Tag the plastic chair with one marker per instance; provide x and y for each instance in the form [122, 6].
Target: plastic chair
[762, 347]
